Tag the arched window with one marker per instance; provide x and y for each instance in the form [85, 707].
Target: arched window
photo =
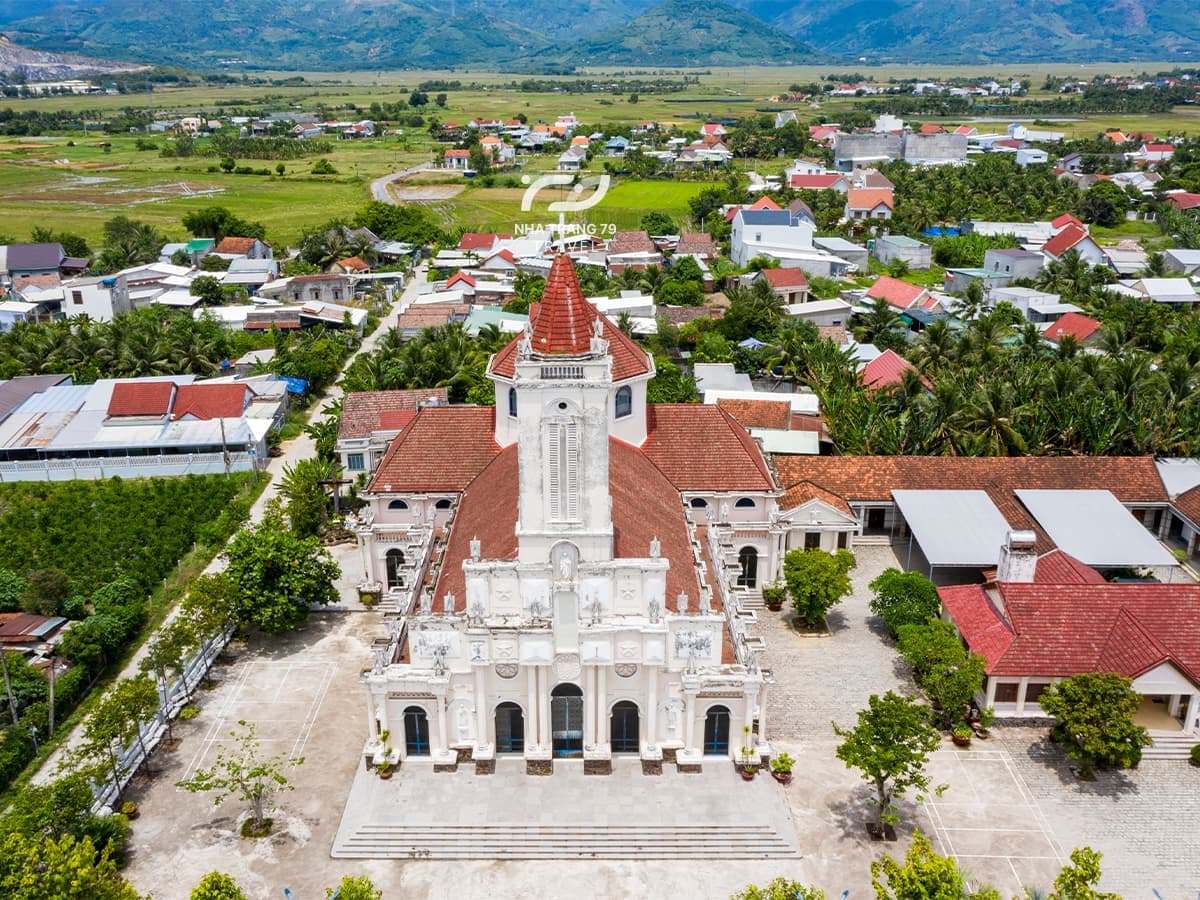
[716, 731]
[442, 504]
[745, 503]
[566, 720]
[395, 565]
[699, 503]
[416, 731]
[397, 504]
[512, 402]
[624, 401]
[748, 559]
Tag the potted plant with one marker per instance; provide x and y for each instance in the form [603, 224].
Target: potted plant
[384, 770]
[961, 735]
[130, 810]
[1195, 751]
[748, 768]
[781, 768]
[987, 717]
[773, 596]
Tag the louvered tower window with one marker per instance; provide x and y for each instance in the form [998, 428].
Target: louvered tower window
[562, 466]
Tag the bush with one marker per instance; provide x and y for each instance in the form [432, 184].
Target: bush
[817, 582]
[323, 167]
[1195, 751]
[928, 645]
[904, 598]
[189, 712]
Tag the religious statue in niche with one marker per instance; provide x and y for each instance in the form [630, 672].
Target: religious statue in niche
[477, 651]
[674, 716]
[653, 610]
[566, 566]
[463, 723]
[427, 603]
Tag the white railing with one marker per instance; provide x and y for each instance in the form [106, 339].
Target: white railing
[124, 466]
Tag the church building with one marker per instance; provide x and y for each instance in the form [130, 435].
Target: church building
[566, 575]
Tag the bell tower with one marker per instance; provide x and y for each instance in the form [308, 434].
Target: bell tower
[562, 388]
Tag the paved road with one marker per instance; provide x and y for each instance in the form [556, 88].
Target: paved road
[299, 448]
[379, 187]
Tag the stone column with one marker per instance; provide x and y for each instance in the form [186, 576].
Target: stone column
[372, 722]
[482, 732]
[443, 737]
[601, 705]
[589, 711]
[652, 708]
[1021, 696]
[990, 699]
[748, 721]
[534, 707]
[689, 712]
[762, 714]
[544, 705]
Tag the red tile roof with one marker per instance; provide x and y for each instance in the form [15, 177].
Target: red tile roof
[814, 182]
[700, 447]
[238, 245]
[460, 276]
[644, 505]
[806, 491]
[141, 398]
[885, 370]
[698, 243]
[1077, 325]
[785, 277]
[1188, 504]
[1061, 630]
[396, 419]
[896, 292]
[474, 240]
[631, 242]
[775, 414]
[871, 479]
[354, 264]
[1183, 200]
[1069, 237]
[1058, 567]
[1160, 148]
[869, 198]
[364, 411]
[563, 322]
[210, 401]
[764, 203]
[443, 449]
[930, 128]
[1064, 220]
[504, 254]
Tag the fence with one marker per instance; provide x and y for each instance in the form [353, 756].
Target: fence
[172, 698]
[97, 468]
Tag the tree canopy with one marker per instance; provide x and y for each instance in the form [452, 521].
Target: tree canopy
[1094, 720]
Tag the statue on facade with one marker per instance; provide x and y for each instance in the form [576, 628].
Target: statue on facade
[564, 566]
[674, 713]
[652, 609]
[525, 347]
[752, 662]
[655, 548]
[725, 511]
[705, 602]
[476, 613]
[439, 660]
[427, 603]
[378, 660]
[475, 549]
[681, 604]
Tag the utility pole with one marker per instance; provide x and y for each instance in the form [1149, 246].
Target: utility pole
[51, 731]
[12, 701]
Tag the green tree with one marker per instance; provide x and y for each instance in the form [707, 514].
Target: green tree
[279, 575]
[244, 773]
[62, 808]
[1078, 880]
[890, 746]
[779, 889]
[217, 886]
[12, 588]
[45, 592]
[323, 167]
[418, 99]
[228, 164]
[217, 222]
[1094, 720]
[657, 222]
[952, 685]
[34, 868]
[930, 644]
[355, 887]
[924, 875]
[817, 581]
[903, 598]
[208, 289]
[305, 496]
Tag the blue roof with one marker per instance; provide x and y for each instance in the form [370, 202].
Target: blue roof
[752, 343]
[943, 231]
[766, 216]
[295, 385]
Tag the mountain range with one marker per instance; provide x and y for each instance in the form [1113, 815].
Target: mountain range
[378, 34]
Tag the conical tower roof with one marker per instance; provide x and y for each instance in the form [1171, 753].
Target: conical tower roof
[564, 320]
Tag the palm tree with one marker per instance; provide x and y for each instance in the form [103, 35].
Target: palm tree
[881, 324]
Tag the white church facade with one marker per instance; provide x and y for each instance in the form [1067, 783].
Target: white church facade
[565, 575]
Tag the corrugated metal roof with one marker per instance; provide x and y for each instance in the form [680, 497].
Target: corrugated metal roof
[954, 528]
[1095, 528]
[60, 398]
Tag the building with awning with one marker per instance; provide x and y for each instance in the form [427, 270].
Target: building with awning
[952, 529]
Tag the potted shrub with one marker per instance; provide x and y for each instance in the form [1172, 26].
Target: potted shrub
[1196, 755]
[781, 768]
[961, 735]
[773, 596]
[987, 718]
[130, 810]
[748, 768]
[384, 770]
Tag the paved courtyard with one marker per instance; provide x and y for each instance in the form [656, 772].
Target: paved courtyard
[1012, 812]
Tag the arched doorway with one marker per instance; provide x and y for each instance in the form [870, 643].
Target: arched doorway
[624, 731]
[395, 568]
[748, 559]
[716, 731]
[510, 729]
[416, 732]
[566, 720]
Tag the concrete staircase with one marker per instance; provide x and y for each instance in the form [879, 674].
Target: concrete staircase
[1170, 746]
[567, 841]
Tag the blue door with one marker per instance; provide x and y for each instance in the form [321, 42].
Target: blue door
[566, 720]
[510, 729]
[716, 732]
[416, 732]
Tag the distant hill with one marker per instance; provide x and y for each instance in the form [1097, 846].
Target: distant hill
[973, 31]
[690, 33]
[37, 65]
[388, 34]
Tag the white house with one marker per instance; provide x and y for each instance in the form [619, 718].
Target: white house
[764, 232]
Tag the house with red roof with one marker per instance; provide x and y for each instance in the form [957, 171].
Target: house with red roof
[371, 420]
[351, 265]
[1075, 237]
[478, 242]
[790, 285]
[827, 182]
[455, 158]
[901, 294]
[244, 248]
[1183, 200]
[869, 203]
[1154, 153]
[1083, 329]
[888, 370]
[562, 562]
[1046, 618]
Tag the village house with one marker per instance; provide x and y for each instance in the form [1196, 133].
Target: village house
[868, 204]
[371, 420]
[789, 285]
[890, 247]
